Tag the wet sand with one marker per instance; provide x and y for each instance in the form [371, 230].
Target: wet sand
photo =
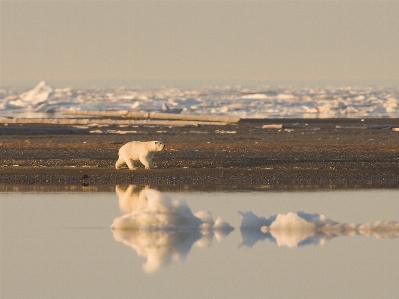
[267, 154]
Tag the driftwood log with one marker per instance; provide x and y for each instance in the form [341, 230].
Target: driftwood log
[99, 121]
[155, 115]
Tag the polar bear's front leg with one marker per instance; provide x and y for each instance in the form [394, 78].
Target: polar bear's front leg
[150, 157]
[119, 163]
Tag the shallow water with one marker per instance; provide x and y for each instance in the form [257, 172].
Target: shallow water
[61, 245]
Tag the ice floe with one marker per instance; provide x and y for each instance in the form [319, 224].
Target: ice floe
[300, 229]
[163, 229]
[243, 102]
[150, 209]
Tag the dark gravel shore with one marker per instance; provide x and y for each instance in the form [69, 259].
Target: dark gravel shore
[267, 154]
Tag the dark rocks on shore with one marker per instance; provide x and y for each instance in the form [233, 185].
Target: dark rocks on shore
[346, 153]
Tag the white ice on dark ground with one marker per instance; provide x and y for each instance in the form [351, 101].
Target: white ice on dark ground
[149, 209]
[163, 229]
[300, 229]
[256, 102]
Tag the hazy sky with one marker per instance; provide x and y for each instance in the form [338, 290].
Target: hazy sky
[115, 43]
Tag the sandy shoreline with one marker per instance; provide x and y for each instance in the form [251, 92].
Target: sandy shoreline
[268, 154]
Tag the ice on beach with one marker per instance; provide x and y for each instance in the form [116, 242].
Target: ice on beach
[158, 213]
[151, 210]
[163, 229]
[300, 229]
[238, 101]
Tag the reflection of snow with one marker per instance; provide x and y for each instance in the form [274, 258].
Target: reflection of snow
[130, 197]
[160, 248]
[299, 229]
[380, 229]
[161, 228]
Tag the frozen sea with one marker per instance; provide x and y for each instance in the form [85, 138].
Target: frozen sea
[44, 100]
[137, 242]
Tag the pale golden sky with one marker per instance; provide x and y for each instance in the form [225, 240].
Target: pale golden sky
[114, 43]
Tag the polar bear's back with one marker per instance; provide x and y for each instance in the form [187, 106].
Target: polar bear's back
[133, 144]
[134, 149]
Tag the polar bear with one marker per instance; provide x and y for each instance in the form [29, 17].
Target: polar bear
[138, 151]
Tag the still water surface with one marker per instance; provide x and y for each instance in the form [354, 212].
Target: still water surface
[61, 245]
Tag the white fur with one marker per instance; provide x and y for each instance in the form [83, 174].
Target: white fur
[138, 151]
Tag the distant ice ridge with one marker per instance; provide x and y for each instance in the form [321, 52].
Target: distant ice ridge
[256, 102]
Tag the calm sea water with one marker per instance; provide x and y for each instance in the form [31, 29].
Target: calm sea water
[61, 245]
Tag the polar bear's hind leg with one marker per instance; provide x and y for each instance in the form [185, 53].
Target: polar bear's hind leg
[146, 162]
[129, 163]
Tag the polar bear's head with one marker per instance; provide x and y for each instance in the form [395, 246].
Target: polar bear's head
[156, 146]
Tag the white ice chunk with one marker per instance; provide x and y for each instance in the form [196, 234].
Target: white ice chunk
[255, 96]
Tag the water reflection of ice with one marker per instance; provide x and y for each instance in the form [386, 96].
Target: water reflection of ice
[300, 229]
[161, 228]
[160, 248]
[130, 197]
